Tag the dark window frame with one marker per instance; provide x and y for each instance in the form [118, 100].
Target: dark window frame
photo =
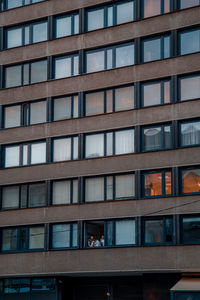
[62, 16]
[70, 55]
[185, 76]
[5, 4]
[71, 191]
[188, 121]
[72, 96]
[72, 147]
[182, 31]
[182, 241]
[162, 8]
[181, 186]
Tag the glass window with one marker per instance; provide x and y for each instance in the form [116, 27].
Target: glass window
[38, 71]
[94, 234]
[189, 87]
[125, 186]
[94, 145]
[62, 192]
[155, 7]
[157, 184]
[44, 284]
[190, 133]
[94, 189]
[14, 37]
[124, 142]
[64, 235]
[62, 149]
[38, 153]
[37, 194]
[36, 237]
[190, 229]
[10, 197]
[156, 93]
[157, 138]
[124, 55]
[125, 12]
[95, 19]
[189, 41]
[66, 25]
[95, 61]
[65, 108]
[38, 111]
[39, 32]
[9, 239]
[124, 98]
[156, 48]
[125, 232]
[94, 103]
[12, 116]
[16, 286]
[13, 76]
[13, 3]
[63, 67]
[191, 181]
[158, 231]
[12, 156]
[188, 3]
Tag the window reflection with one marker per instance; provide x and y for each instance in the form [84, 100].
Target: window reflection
[12, 116]
[188, 3]
[124, 56]
[189, 87]
[158, 231]
[151, 7]
[191, 181]
[189, 41]
[95, 61]
[191, 229]
[190, 133]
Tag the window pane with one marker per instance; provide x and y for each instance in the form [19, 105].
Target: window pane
[124, 56]
[191, 229]
[38, 112]
[166, 47]
[13, 3]
[74, 235]
[75, 107]
[12, 156]
[190, 133]
[62, 108]
[23, 196]
[63, 67]
[191, 181]
[125, 12]
[12, 115]
[39, 71]
[109, 188]
[124, 141]
[22, 240]
[167, 137]
[151, 7]
[167, 92]
[36, 238]
[75, 147]
[14, 37]
[10, 197]
[188, 3]
[154, 231]
[190, 41]
[25, 155]
[76, 65]
[125, 232]
[168, 183]
[9, 239]
[45, 284]
[124, 98]
[37, 195]
[13, 76]
[125, 186]
[153, 184]
[62, 149]
[151, 49]
[109, 101]
[167, 6]
[16, 286]
[63, 26]
[94, 189]
[190, 88]
[151, 94]
[27, 35]
[94, 145]
[61, 192]
[152, 138]
[38, 153]
[95, 19]
[76, 24]
[94, 103]
[110, 18]
[39, 32]
[75, 191]
[109, 54]
[109, 143]
[61, 236]
[95, 61]
[26, 76]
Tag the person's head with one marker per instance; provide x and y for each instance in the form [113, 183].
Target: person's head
[102, 237]
[92, 237]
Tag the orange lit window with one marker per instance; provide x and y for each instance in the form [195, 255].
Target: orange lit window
[191, 181]
[157, 184]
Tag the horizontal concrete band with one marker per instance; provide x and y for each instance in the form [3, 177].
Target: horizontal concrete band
[104, 79]
[138, 259]
[102, 37]
[101, 211]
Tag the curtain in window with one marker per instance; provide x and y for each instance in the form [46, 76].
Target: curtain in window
[36, 237]
[10, 197]
[62, 149]
[125, 186]
[125, 232]
[124, 141]
[95, 145]
[61, 192]
[61, 236]
[190, 133]
[94, 189]
[152, 138]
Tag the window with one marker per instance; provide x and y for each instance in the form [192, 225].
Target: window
[108, 58]
[189, 87]
[156, 93]
[8, 4]
[156, 48]
[65, 108]
[23, 196]
[156, 137]
[26, 34]
[44, 284]
[33, 113]
[190, 181]
[111, 100]
[66, 25]
[109, 187]
[24, 154]
[188, 3]
[16, 286]
[66, 66]
[157, 184]
[189, 133]
[25, 74]
[189, 41]
[110, 15]
[109, 143]
[23, 238]
[65, 149]
[155, 7]
[64, 235]
[110, 233]
[158, 230]
[65, 192]
[186, 295]
[190, 230]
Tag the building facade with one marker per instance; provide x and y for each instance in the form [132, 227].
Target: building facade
[99, 150]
